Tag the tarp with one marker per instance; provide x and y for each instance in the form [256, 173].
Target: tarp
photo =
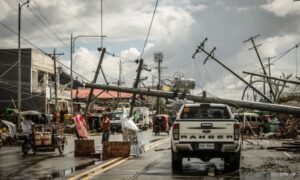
[81, 126]
[132, 134]
[11, 127]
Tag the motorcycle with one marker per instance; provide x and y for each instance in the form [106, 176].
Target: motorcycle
[26, 143]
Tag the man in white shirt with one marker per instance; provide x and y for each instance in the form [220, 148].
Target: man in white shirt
[27, 126]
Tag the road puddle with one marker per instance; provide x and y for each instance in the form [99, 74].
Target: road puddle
[58, 173]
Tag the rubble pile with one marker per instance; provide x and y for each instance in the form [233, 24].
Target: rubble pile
[290, 129]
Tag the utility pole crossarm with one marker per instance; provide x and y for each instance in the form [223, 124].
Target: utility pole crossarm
[198, 47]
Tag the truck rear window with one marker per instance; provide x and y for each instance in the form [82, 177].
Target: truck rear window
[205, 113]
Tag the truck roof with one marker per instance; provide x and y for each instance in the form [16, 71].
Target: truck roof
[209, 104]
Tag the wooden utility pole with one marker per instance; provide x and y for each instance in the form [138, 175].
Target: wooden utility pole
[54, 56]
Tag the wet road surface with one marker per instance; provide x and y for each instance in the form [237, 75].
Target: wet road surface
[256, 163]
[49, 165]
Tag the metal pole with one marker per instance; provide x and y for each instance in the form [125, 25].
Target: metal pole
[55, 80]
[19, 63]
[101, 23]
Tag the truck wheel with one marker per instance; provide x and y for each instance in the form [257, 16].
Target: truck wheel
[176, 162]
[232, 161]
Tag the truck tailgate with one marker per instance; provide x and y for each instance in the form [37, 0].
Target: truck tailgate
[206, 131]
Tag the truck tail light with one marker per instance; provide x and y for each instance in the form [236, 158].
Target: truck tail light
[176, 131]
[236, 131]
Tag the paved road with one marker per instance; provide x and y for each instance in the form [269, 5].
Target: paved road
[256, 163]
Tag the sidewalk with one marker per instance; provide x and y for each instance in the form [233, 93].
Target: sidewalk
[7, 150]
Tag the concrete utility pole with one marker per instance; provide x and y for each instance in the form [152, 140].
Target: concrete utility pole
[170, 95]
[71, 76]
[19, 62]
[103, 50]
[158, 57]
[73, 39]
[262, 66]
[55, 76]
[136, 84]
[201, 47]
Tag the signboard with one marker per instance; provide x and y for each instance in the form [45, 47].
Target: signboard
[115, 149]
[158, 56]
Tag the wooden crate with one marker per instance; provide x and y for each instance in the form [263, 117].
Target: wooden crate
[84, 147]
[115, 149]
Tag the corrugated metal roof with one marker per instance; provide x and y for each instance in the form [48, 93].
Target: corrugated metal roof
[83, 93]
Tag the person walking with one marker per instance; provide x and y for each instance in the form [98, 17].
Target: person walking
[105, 127]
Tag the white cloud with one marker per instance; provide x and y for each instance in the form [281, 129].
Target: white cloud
[282, 7]
[4, 10]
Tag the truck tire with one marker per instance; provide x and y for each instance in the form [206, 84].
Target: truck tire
[176, 162]
[232, 161]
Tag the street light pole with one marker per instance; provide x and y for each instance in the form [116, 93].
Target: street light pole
[19, 62]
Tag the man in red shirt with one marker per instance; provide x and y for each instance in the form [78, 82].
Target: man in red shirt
[105, 126]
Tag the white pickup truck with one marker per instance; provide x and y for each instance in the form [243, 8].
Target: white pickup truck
[206, 131]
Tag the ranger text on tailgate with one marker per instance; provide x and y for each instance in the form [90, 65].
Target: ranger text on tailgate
[206, 131]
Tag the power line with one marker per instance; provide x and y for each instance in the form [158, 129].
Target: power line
[41, 50]
[149, 29]
[46, 23]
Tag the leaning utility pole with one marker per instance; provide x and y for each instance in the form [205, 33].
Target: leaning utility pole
[262, 66]
[210, 55]
[135, 85]
[103, 50]
[170, 95]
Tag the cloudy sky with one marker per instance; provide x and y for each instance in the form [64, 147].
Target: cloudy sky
[177, 29]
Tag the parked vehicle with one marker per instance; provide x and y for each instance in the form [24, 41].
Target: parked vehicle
[269, 123]
[94, 122]
[161, 124]
[115, 120]
[206, 131]
[44, 138]
[141, 117]
[249, 122]
[8, 134]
